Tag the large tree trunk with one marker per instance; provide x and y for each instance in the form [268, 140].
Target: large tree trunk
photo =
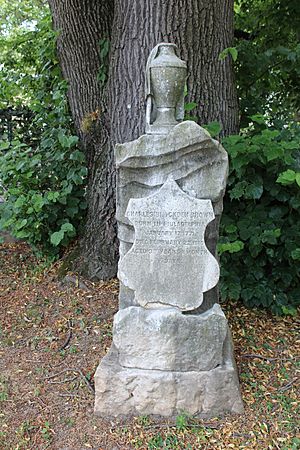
[201, 29]
[82, 25]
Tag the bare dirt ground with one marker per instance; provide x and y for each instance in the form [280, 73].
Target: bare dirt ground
[52, 337]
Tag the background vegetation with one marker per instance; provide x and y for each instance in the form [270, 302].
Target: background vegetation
[260, 244]
[43, 171]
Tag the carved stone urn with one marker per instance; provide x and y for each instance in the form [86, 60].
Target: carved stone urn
[165, 80]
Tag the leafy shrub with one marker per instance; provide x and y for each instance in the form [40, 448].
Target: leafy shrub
[268, 63]
[260, 239]
[43, 191]
[43, 182]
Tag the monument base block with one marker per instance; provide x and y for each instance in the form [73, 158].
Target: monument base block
[122, 391]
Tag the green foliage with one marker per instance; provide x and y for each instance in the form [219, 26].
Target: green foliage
[268, 66]
[46, 431]
[3, 389]
[23, 50]
[182, 421]
[288, 177]
[229, 51]
[170, 442]
[188, 108]
[260, 239]
[42, 181]
[104, 45]
[214, 128]
[156, 442]
[260, 247]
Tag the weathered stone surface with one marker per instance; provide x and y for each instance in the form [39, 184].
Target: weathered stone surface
[168, 340]
[172, 348]
[164, 89]
[169, 263]
[121, 391]
[197, 163]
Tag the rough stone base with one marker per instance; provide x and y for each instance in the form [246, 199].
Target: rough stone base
[124, 391]
[166, 339]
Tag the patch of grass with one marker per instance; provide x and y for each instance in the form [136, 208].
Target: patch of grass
[182, 421]
[3, 389]
[46, 431]
[156, 442]
[107, 330]
[24, 433]
[144, 421]
[170, 441]
[73, 349]
[69, 421]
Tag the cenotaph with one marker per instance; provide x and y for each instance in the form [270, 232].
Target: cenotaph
[172, 348]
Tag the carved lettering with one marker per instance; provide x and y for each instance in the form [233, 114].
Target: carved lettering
[169, 262]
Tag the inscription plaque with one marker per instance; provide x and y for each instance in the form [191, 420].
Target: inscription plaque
[169, 263]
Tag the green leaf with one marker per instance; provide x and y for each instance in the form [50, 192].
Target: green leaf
[77, 156]
[22, 234]
[247, 293]
[67, 227]
[295, 254]
[229, 51]
[20, 201]
[20, 164]
[38, 202]
[57, 95]
[57, 237]
[20, 224]
[189, 106]
[273, 152]
[4, 145]
[287, 177]
[238, 190]
[231, 247]
[289, 311]
[270, 236]
[52, 196]
[231, 228]
[72, 140]
[72, 211]
[62, 199]
[232, 140]
[63, 139]
[254, 191]
[47, 143]
[258, 118]
[213, 128]
[298, 178]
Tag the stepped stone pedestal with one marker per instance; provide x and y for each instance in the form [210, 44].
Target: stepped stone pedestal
[166, 363]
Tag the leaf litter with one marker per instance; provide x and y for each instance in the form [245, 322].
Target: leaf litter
[52, 337]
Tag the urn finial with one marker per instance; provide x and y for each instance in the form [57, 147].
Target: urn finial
[165, 81]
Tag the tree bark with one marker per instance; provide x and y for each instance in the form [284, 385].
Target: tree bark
[201, 29]
[82, 24]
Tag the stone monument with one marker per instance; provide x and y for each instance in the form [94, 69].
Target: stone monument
[172, 348]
